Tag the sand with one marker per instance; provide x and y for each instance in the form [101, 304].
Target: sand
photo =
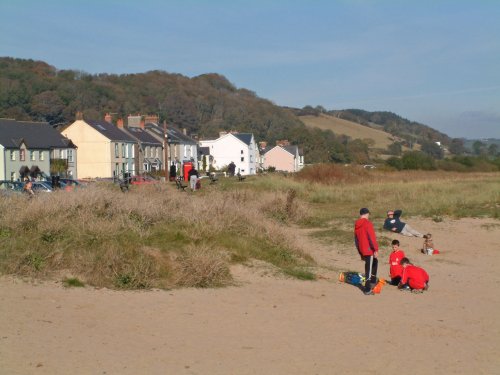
[269, 324]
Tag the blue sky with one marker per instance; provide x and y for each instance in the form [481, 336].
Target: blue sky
[435, 62]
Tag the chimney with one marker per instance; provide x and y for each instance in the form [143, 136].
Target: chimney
[108, 118]
[79, 115]
[282, 143]
[119, 123]
[142, 124]
[222, 134]
[184, 131]
[134, 121]
[152, 118]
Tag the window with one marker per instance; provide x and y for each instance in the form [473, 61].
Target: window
[157, 152]
[242, 158]
[241, 152]
[32, 155]
[151, 152]
[146, 167]
[42, 156]
[22, 154]
[117, 169]
[13, 176]
[123, 167]
[63, 154]
[132, 151]
[117, 153]
[126, 150]
[123, 150]
[12, 155]
[70, 155]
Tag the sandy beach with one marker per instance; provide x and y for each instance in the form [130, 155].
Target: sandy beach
[267, 324]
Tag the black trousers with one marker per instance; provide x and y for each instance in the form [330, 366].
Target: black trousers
[371, 266]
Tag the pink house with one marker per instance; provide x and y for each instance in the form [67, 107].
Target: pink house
[284, 158]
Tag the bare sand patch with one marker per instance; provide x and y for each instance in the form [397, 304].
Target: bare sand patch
[269, 324]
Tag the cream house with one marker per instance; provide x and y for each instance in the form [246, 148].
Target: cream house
[104, 150]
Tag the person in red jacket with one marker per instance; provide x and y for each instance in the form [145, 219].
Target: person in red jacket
[395, 267]
[414, 278]
[366, 244]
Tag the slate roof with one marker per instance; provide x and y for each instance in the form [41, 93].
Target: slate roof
[292, 149]
[110, 131]
[36, 135]
[143, 136]
[244, 137]
[203, 151]
[174, 134]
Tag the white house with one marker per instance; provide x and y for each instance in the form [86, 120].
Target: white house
[239, 148]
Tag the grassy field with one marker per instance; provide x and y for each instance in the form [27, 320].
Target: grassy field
[355, 131]
[159, 237]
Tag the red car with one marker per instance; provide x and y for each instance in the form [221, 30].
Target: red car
[142, 180]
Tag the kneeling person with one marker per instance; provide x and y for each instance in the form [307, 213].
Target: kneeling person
[414, 278]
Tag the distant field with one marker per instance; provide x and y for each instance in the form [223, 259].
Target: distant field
[351, 129]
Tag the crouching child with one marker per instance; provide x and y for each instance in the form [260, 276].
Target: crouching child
[414, 278]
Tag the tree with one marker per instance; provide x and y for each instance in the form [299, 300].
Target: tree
[47, 106]
[395, 148]
[457, 146]
[417, 160]
[478, 147]
[493, 149]
[432, 149]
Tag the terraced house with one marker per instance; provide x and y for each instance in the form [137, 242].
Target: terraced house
[104, 150]
[35, 147]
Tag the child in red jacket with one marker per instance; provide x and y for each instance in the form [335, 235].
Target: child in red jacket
[414, 278]
[395, 267]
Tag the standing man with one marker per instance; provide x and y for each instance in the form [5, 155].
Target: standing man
[366, 243]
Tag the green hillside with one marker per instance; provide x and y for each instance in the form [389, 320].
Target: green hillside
[204, 105]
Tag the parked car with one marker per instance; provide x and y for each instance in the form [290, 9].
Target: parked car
[10, 187]
[41, 186]
[142, 180]
[70, 184]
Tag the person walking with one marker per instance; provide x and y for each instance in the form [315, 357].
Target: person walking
[367, 246]
[193, 178]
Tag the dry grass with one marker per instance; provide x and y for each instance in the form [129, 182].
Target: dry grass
[149, 237]
[355, 131]
[158, 237]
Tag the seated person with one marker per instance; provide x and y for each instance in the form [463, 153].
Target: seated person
[395, 267]
[394, 224]
[428, 247]
[414, 278]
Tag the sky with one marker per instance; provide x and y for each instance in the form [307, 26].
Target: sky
[436, 62]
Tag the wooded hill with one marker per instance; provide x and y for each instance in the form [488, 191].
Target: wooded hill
[204, 105]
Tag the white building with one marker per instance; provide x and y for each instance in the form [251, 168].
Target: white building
[239, 148]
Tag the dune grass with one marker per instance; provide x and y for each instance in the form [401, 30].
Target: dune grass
[149, 237]
[159, 237]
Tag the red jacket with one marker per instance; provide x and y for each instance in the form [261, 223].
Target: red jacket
[364, 237]
[416, 277]
[396, 269]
